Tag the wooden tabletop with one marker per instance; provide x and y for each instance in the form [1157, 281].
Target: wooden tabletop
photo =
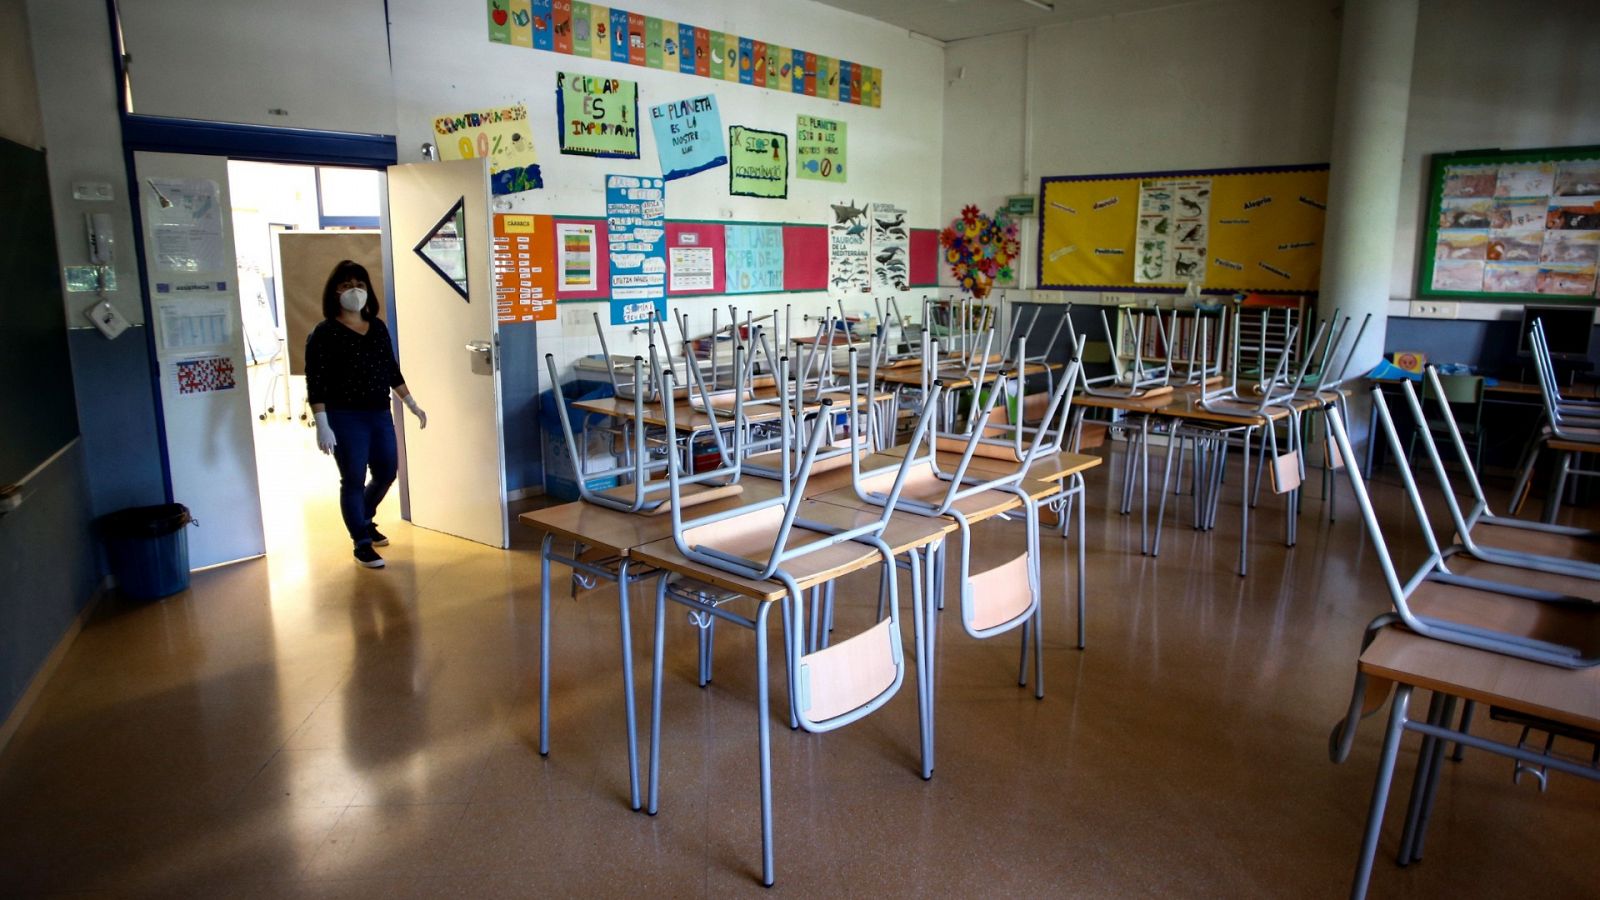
[1184, 403]
[688, 419]
[1570, 696]
[954, 379]
[616, 532]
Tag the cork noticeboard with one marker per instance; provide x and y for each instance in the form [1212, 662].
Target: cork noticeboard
[307, 257]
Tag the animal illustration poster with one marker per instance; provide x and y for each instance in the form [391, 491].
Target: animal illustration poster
[820, 148]
[759, 163]
[849, 274]
[503, 135]
[754, 259]
[206, 374]
[636, 226]
[891, 248]
[688, 136]
[1172, 231]
[597, 116]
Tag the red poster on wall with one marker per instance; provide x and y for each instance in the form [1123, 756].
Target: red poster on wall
[636, 39]
[561, 16]
[524, 268]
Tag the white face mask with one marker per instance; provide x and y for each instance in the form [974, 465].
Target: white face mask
[353, 299]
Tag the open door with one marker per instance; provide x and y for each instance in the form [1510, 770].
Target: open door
[205, 399]
[444, 319]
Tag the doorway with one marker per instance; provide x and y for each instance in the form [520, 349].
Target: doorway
[291, 223]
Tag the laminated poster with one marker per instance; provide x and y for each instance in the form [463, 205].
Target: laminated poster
[575, 250]
[688, 136]
[691, 269]
[848, 271]
[819, 148]
[754, 259]
[204, 375]
[503, 135]
[185, 217]
[597, 116]
[636, 226]
[759, 163]
[1172, 231]
[891, 248]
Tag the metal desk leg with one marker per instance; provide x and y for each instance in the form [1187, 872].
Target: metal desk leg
[1244, 503]
[1083, 572]
[544, 643]
[1426, 761]
[1420, 837]
[655, 694]
[1380, 790]
[764, 741]
[1144, 485]
[1173, 439]
[924, 682]
[627, 686]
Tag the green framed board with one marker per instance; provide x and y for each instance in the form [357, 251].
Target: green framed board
[1512, 226]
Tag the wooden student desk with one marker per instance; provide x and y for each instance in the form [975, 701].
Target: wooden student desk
[605, 541]
[1404, 662]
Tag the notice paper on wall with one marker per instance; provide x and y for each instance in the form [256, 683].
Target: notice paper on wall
[754, 259]
[636, 226]
[820, 148]
[503, 135]
[597, 116]
[759, 163]
[202, 375]
[524, 268]
[1172, 237]
[575, 250]
[691, 268]
[688, 136]
[185, 216]
[194, 324]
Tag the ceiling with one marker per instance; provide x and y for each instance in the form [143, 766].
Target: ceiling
[954, 20]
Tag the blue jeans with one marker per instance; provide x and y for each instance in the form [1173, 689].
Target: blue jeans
[365, 440]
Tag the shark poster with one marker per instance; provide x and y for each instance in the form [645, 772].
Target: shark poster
[848, 271]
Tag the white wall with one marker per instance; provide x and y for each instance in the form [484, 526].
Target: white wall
[1251, 82]
[19, 102]
[444, 63]
[1487, 77]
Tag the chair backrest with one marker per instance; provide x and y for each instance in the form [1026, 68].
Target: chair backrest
[1522, 646]
[1457, 390]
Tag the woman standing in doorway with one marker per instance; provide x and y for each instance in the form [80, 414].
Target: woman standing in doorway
[350, 369]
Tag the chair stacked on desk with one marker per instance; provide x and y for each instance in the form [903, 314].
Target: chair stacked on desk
[1515, 625]
[1571, 429]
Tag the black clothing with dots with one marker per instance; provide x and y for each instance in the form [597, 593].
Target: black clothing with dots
[346, 370]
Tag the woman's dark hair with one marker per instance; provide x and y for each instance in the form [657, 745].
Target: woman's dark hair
[348, 270]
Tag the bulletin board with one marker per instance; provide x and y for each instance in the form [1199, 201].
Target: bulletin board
[307, 258]
[1512, 226]
[1254, 229]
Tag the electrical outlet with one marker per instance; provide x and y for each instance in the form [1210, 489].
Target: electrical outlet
[1435, 309]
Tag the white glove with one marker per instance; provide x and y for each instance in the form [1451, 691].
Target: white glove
[422, 417]
[325, 439]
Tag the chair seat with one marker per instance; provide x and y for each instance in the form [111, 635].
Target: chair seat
[1578, 628]
[1539, 543]
[773, 460]
[924, 485]
[689, 494]
[1571, 585]
[750, 536]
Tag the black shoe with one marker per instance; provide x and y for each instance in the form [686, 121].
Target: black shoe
[368, 557]
[378, 539]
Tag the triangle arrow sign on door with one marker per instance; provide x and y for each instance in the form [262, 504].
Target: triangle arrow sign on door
[445, 248]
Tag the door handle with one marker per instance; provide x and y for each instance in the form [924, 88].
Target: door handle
[483, 347]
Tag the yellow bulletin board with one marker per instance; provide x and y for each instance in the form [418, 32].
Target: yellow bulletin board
[1236, 229]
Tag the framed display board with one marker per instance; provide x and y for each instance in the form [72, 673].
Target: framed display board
[1512, 226]
[1227, 229]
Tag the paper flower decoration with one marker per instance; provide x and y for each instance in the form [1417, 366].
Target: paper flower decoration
[979, 249]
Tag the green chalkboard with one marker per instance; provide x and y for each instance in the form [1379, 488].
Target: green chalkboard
[38, 413]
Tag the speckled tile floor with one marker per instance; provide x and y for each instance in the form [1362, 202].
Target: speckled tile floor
[296, 725]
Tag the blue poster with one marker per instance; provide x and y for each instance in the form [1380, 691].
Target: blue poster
[636, 226]
[619, 35]
[688, 136]
[686, 49]
[543, 25]
[753, 260]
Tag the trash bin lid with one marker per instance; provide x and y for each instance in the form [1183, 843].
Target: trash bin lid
[155, 521]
